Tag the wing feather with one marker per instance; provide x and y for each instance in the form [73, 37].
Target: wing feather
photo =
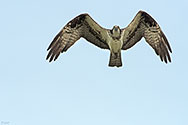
[81, 26]
[143, 25]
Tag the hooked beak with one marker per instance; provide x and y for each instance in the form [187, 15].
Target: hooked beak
[116, 29]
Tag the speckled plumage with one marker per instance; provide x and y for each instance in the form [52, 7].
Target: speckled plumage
[143, 25]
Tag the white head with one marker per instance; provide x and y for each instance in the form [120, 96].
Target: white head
[116, 32]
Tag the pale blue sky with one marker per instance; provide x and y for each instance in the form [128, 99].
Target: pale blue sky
[79, 88]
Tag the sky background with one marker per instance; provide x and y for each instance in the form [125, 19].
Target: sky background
[79, 88]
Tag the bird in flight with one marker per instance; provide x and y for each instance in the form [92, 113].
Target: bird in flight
[115, 39]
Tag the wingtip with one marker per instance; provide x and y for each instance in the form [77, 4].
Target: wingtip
[51, 59]
[170, 50]
[165, 60]
[47, 59]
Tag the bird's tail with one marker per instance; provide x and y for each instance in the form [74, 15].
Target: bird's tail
[115, 59]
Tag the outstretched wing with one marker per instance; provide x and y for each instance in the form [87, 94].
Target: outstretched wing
[143, 25]
[81, 26]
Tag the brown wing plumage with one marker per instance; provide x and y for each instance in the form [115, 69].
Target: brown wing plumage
[143, 25]
[81, 26]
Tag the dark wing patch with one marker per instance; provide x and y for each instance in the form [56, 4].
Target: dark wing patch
[78, 20]
[148, 19]
[94, 36]
[143, 25]
[73, 31]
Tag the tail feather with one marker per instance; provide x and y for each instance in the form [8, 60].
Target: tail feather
[115, 59]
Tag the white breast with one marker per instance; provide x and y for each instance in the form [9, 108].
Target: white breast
[114, 45]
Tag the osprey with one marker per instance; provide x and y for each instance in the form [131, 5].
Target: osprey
[115, 40]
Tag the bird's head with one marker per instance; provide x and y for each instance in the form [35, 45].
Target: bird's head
[116, 32]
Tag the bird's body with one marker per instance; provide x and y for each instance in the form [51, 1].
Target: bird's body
[114, 40]
[143, 25]
[115, 45]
